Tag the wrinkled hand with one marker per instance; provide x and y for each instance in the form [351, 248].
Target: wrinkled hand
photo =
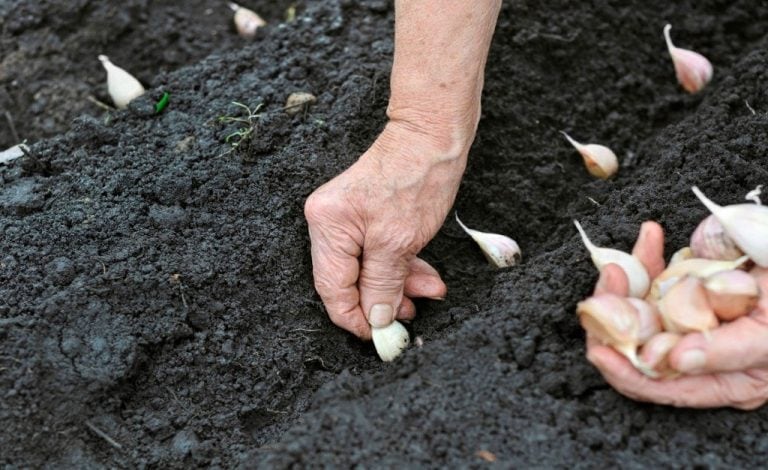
[731, 369]
[367, 225]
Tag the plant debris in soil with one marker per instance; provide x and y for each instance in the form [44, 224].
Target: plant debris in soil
[156, 300]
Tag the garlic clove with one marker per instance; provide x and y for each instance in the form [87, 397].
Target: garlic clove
[695, 267]
[613, 321]
[681, 255]
[710, 241]
[633, 268]
[298, 101]
[685, 308]
[655, 352]
[754, 195]
[746, 224]
[648, 318]
[599, 159]
[693, 70]
[122, 86]
[246, 21]
[390, 341]
[499, 250]
[732, 293]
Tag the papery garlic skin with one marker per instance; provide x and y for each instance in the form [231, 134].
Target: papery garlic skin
[390, 341]
[693, 70]
[649, 320]
[600, 161]
[685, 308]
[499, 250]
[710, 241]
[121, 85]
[655, 353]
[746, 224]
[246, 21]
[633, 268]
[695, 267]
[732, 294]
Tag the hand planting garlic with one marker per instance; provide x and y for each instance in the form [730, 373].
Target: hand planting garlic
[390, 341]
[633, 268]
[499, 250]
[122, 86]
[246, 21]
[599, 159]
[693, 70]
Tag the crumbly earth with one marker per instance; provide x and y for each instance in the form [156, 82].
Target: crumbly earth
[156, 302]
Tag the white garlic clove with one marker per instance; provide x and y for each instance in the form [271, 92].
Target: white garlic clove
[633, 268]
[246, 21]
[710, 241]
[655, 353]
[390, 341]
[754, 195]
[599, 159]
[685, 308]
[746, 224]
[681, 255]
[499, 250]
[695, 267]
[693, 70]
[648, 318]
[732, 294]
[612, 321]
[298, 101]
[122, 86]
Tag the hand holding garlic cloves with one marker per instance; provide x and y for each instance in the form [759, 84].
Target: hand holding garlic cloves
[728, 369]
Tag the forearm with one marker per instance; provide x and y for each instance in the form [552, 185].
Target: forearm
[441, 48]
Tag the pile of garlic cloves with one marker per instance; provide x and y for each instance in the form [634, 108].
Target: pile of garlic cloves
[714, 280]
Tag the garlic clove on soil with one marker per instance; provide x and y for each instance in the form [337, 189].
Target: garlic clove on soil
[246, 21]
[298, 101]
[599, 159]
[681, 255]
[695, 267]
[648, 318]
[613, 321]
[122, 86]
[685, 308]
[693, 70]
[746, 224]
[710, 241]
[655, 353]
[499, 250]
[732, 293]
[390, 341]
[633, 268]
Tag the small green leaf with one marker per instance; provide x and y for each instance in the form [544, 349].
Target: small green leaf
[162, 102]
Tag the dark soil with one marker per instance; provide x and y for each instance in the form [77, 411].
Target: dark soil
[156, 302]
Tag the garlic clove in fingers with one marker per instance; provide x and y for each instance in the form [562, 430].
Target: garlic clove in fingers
[122, 86]
[390, 341]
[695, 267]
[246, 21]
[655, 352]
[648, 318]
[732, 293]
[499, 250]
[710, 241]
[746, 224]
[685, 308]
[681, 255]
[633, 268]
[599, 159]
[693, 70]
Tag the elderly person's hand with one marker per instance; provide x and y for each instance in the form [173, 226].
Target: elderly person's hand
[729, 369]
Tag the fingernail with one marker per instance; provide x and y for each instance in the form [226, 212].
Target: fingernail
[692, 361]
[380, 315]
[436, 298]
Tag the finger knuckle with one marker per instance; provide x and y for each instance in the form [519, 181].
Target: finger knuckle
[318, 205]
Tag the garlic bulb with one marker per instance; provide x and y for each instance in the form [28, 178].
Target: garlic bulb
[613, 321]
[633, 268]
[693, 70]
[681, 255]
[390, 341]
[746, 224]
[599, 159]
[499, 250]
[732, 293]
[122, 86]
[655, 353]
[685, 308]
[648, 318]
[710, 241]
[246, 21]
[695, 267]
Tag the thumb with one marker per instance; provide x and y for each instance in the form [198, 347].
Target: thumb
[381, 283]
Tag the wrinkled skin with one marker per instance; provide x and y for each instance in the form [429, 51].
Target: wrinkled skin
[733, 367]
